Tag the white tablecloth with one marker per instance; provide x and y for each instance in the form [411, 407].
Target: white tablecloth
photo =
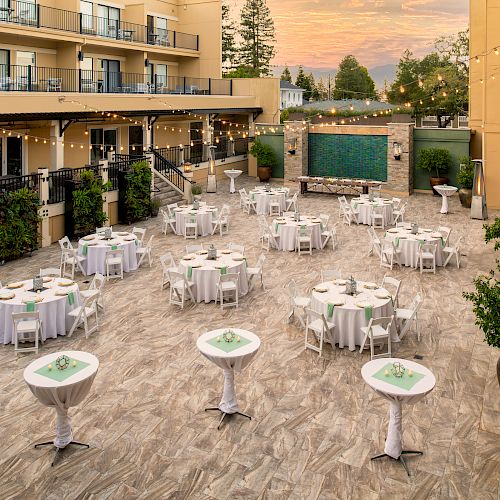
[264, 198]
[53, 309]
[286, 228]
[445, 191]
[365, 208]
[232, 174]
[204, 216]
[62, 395]
[98, 246]
[230, 362]
[397, 396]
[207, 275]
[349, 318]
[409, 244]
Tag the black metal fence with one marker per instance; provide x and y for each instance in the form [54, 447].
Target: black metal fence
[14, 182]
[121, 164]
[57, 179]
[40, 16]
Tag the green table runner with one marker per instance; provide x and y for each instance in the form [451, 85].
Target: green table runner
[228, 346]
[61, 375]
[405, 382]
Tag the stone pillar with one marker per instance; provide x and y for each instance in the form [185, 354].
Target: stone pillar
[400, 172]
[43, 211]
[56, 147]
[296, 164]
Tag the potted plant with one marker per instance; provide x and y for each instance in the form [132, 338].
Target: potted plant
[196, 191]
[436, 161]
[486, 297]
[155, 207]
[265, 159]
[465, 179]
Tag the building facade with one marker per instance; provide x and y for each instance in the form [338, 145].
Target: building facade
[82, 78]
[290, 95]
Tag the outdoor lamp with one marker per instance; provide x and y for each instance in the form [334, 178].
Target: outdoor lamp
[212, 178]
[188, 167]
[397, 150]
[478, 208]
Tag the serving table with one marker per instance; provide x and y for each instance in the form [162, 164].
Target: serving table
[417, 381]
[232, 357]
[336, 185]
[95, 246]
[350, 313]
[204, 216]
[59, 297]
[445, 191]
[62, 389]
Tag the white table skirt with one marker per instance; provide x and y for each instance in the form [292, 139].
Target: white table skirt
[349, 318]
[288, 234]
[95, 261]
[206, 277]
[397, 396]
[53, 310]
[445, 191]
[366, 208]
[232, 174]
[409, 245]
[263, 199]
[62, 395]
[230, 362]
[204, 219]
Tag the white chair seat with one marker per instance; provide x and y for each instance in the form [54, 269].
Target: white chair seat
[114, 261]
[302, 301]
[404, 314]
[26, 326]
[227, 285]
[180, 284]
[75, 312]
[377, 331]
[304, 239]
[317, 325]
[253, 270]
[71, 260]
[89, 293]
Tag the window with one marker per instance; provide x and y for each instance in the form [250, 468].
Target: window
[162, 75]
[108, 21]
[4, 65]
[102, 142]
[86, 9]
[161, 31]
[26, 58]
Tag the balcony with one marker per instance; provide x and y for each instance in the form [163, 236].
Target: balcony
[40, 16]
[15, 78]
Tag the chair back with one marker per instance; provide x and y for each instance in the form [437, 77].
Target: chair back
[457, 244]
[325, 218]
[149, 244]
[260, 262]
[234, 247]
[428, 248]
[111, 254]
[167, 261]
[50, 271]
[25, 316]
[393, 282]
[444, 230]
[313, 316]
[170, 208]
[415, 304]
[100, 230]
[65, 243]
[291, 288]
[226, 208]
[330, 274]
[97, 282]
[176, 277]
[306, 231]
[68, 253]
[194, 248]
[385, 322]
[139, 231]
[229, 278]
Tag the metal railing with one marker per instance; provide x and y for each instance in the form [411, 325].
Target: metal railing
[122, 163]
[57, 179]
[10, 183]
[165, 167]
[44, 79]
[41, 16]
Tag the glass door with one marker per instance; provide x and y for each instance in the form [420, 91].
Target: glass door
[135, 140]
[14, 156]
[111, 78]
[4, 70]
[161, 31]
[5, 10]
[26, 12]
[108, 21]
[87, 12]
[162, 75]
[110, 141]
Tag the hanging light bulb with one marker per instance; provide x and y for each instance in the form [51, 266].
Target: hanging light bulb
[402, 89]
[477, 59]
[420, 83]
[496, 51]
[440, 78]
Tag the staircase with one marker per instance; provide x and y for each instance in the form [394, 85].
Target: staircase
[167, 193]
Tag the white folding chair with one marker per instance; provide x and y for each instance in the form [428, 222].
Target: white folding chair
[321, 327]
[296, 302]
[292, 203]
[83, 313]
[221, 222]
[378, 332]
[64, 244]
[349, 214]
[274, 208]
[167, 264]
[398, 215]
[303, 240]
[377, 217]
[167, 221]
[330, 274]
[51, 272]
[193, 248]
[234, 247]
[102, 230]
[389, 254]
[114, 262]
[27, 328]
[254, 272]
[190, 227]
[342, 201]
[96, 287]
[140, 234]
[452, 250]
[396, 202]
[395, 285]
[228, 288]
[270, 239]
[427, 258]
[406, 317]
[144, 251]
[72, 260]
[242, 193]
[375, 244]
[249, 205]
[445, 232]
[180, 287]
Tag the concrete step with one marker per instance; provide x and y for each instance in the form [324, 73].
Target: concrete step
[166, 194]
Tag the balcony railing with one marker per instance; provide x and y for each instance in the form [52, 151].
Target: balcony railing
[40, 16]
[40, 79]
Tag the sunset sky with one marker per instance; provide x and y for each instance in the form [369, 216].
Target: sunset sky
[319, 33]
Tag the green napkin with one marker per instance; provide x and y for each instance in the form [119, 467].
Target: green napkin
[355, 206]
[190, 272]
[405, 382]
[330, 309]
[385, 234]
[71, 298]
[253, 196]
[223, 270]
[368, 313]
[85, 248]
[114, 247]
[442, 241]
[30, 306]
[397, 241]
[276, 227]
[302, 227]
[321, 226]
[421, 242]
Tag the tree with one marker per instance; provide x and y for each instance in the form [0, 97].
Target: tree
[286, 75]
[242, 72]
[352, 81]
[313, 91]
[455, 48]
[229, 48]
[305, 82]
[258, 37]
[321, 90]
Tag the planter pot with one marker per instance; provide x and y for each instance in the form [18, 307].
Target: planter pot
[264, 173]
[465, 196]
[436, 181]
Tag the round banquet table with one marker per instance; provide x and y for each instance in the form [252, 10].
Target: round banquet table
[232, 174]
[286, 228]
[205, 273]
[263, 198]
[373, 374]
[53, 309]
[445, 191]
[204, 216]
[365, 208]
[409, 244]
[348, 317]
[230, 362]
[94, 248]
[62, 394]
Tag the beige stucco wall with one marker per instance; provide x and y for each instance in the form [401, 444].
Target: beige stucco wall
[200, 174]
[267, 96]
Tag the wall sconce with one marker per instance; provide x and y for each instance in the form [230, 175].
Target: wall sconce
[146, 63]
[188, 167]
[478, 208]
[81, 55]
[292, 146]
[397, 150]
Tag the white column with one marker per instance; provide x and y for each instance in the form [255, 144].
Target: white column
[56, 147]
[43, 211]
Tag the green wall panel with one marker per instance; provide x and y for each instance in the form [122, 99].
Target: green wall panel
[353, 156]
[276, 142]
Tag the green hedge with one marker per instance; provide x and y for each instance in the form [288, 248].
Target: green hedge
[19, 223]
[138, 192]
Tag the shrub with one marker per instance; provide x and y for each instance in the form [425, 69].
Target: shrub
[264, 154]
[138, 191]
[436, 160]
[465, 176]
[196, 189]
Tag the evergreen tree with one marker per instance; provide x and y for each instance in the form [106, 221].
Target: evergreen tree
[286, 75]
[258, 37]
[352, 81]
[301, 80]
[229, 49]
[313, 91]
[321, 90]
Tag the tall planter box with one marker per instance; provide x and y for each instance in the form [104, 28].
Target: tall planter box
[69, 222]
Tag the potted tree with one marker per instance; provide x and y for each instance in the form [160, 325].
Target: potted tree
[265, 159]
[465, 179]
[486, 298]
[436, 161]
[196, 191]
